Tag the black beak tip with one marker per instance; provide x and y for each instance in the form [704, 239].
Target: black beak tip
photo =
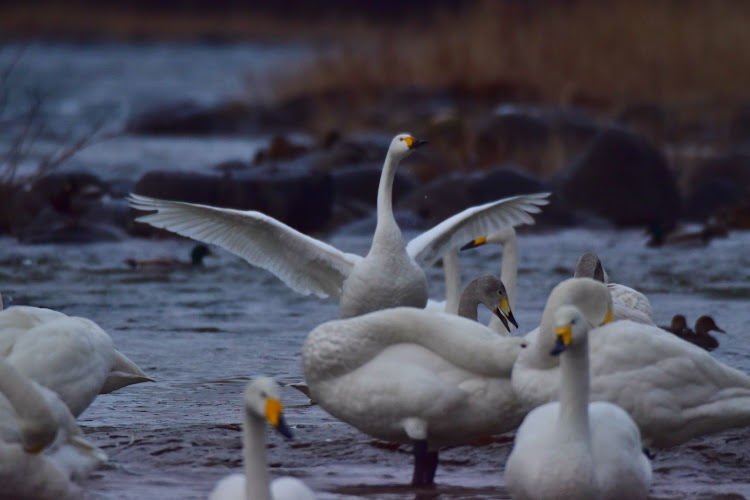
[468, 246]
[512, 319]
[284, 429]
[559, 347]
[419, 143]
[499, 314]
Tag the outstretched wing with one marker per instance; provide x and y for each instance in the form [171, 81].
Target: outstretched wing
[472, 223]
[305, 264]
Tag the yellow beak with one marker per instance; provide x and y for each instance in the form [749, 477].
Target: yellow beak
[608, 318]
[564, 333]
[273, 411]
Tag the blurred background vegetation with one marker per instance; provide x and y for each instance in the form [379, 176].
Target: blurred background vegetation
[605, 54]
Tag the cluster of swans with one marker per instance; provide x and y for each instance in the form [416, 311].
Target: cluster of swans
[52, 366]
[401, 368]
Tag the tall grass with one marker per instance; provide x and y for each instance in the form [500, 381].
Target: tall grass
[604, 53]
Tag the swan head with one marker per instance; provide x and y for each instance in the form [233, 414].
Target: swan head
[490, 291]
[589, 266]
[403, 145]
[571, 328]
[263, 401]
[591, 297]
[36, 436]
[500, 237]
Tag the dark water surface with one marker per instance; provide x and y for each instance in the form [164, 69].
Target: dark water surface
[203, 333]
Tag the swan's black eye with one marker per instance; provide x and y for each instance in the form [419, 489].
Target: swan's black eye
[263, 394]
[573, 321]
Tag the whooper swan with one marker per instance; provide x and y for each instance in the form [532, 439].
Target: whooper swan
[407, 375]
[261, 404]
[674, 390]
[573, 448]
[42, 449]
[390, 275]
[72, 356]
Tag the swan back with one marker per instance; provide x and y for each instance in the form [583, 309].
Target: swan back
[339, 347]
[70, 355]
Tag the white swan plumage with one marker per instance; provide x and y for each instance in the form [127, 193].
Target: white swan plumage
[674, 390]
[573, 448]
[72, 356]
[627, 303]
[390, 275]
[407, 375]
[42, 449]
[261, 405]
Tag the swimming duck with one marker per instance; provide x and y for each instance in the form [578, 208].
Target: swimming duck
[197, 253]
[700, 335]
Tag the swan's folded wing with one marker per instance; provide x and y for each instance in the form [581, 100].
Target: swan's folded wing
[630, 304]
[472, 223]
[305, 264]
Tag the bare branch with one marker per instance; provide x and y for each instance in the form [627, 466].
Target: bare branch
[5, 76]
[93, 136]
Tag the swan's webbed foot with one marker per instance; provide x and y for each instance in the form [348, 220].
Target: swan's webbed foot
[425, 465]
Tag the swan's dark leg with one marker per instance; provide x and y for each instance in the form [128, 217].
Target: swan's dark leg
[432, 463]
[425, 465]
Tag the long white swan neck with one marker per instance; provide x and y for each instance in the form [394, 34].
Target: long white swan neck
[386, 221]
[574, 392]
[509, 269]
[452, 271]
[254, 452]
[36, 420]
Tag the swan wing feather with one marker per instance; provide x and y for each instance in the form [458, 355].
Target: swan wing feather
[305, 264]
[472, 223]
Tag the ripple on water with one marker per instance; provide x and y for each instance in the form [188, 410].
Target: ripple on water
[201, 335]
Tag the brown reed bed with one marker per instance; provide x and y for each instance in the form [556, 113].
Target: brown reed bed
[607, 54]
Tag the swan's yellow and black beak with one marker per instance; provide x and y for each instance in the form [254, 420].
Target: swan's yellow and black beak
[275, 417]
[503, 312]
[563, 337]
[608, 318]
[413, 143]
[475, 243]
